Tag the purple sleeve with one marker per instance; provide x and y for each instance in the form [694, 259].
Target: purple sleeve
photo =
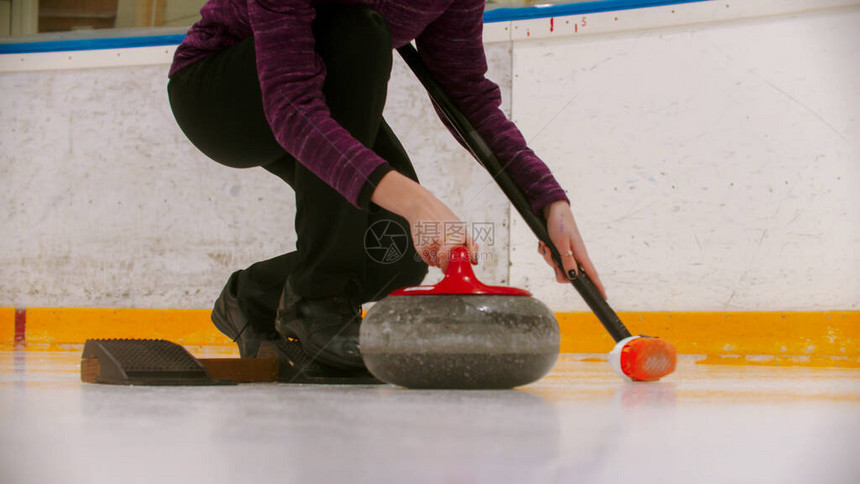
[453, 50]
[291, 78]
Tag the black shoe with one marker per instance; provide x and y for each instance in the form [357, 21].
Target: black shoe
[229, 318]
[294, 366]
[327, 328]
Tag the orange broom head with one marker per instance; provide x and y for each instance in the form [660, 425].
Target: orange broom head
[643, 358]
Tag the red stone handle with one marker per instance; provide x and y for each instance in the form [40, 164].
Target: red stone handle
[460, 279]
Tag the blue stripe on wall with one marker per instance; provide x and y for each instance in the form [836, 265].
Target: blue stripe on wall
[579, 8]
[91, 44]
[496, 15]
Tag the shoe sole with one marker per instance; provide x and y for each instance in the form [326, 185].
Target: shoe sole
[295, 366]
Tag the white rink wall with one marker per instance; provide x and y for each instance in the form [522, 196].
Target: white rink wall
[711, 155]
[711, 166]
[107, 204]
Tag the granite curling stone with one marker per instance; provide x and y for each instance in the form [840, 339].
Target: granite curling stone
[459, 334]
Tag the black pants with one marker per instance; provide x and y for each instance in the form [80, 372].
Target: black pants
[218, 104]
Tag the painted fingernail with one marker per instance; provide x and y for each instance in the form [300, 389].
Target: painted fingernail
[571, 274]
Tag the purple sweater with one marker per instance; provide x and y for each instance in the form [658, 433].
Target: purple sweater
[447, 34]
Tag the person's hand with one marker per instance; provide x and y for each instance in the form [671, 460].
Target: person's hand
[565, 235]
[435, 228]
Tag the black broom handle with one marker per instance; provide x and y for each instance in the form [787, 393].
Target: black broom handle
[488, 160]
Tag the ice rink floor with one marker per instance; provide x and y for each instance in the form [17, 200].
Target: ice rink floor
[580, 424]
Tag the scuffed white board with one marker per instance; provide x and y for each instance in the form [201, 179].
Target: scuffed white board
[712, 167]
[107, 204]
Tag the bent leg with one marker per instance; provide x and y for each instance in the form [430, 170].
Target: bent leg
[218, 104]
[355, 44]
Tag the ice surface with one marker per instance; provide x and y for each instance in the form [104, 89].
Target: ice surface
[580, 424]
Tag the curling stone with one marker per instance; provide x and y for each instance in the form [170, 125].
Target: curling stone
[459, 334]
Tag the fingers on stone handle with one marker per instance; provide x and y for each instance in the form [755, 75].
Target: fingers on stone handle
[442, 256]
[431, 256]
